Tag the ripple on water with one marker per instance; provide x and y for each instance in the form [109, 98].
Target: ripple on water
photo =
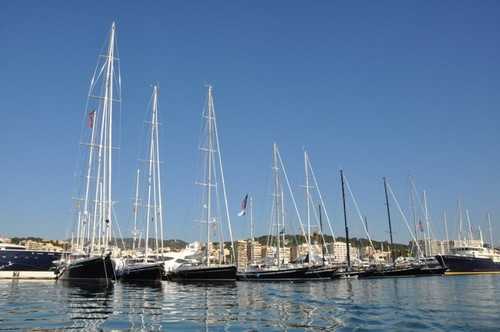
[447, 303]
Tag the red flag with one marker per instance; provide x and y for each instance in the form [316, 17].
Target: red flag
[90, 122]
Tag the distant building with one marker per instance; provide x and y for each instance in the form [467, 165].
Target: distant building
[303, 250]
[240, 252]
[297, 251]
[338, 250]
[285, 253]
[5, 240]
[255, 254]
[34, 245]
[247, 252]
[429, 247]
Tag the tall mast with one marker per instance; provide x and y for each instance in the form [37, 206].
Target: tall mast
[446, 230]
[109, 150]
[308, 235]
[209, 171]
[282, 199]
[277, 203]
[136, 203]
[471, 237]
[414, 213]
[460, 219]
[97, 210]
[345, 222]
[427, 239]
[322, 238]
[389, 219]
[159, 199]
[84, 220]
[154, 210]
[213, 172]
[491, 235]
[251, 229]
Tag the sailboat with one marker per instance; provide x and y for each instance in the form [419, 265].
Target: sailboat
[348, 272]
[430, 266]
[316, 271]
[90, 259]
[277, 269]
[394, 271]
[206, 270]
[143, 267]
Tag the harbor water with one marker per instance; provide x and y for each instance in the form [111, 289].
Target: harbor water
[447, 303]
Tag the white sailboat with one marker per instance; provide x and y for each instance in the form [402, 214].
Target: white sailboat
[277, 269]
[146, 265]
[210, 269]
[318, 269]
[91, 252]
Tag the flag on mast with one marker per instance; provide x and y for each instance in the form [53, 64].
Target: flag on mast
[90, 122]
[243, 207]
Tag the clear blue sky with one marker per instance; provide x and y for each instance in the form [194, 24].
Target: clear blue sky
[377, 88]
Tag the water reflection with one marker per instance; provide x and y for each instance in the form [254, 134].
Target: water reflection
[448, 303]
[199, 306]
[9, 289]
[88, 304]
[86, 288]
[282, 306]
[18, 307]
[141, 303]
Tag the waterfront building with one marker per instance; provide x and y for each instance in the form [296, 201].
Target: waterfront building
[430, 247]
[241, 253]
[254, 251]
[338, 250]
[285, 253]
[247, 252]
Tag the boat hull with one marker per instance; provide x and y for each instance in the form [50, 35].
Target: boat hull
[27, 275]
[289, 274]
[94, 269]
[320, 273]
[468, 265]
[431, 271]
[27, 264]
[141, 272]
[204, 273]
[392, 273]
[353, 274]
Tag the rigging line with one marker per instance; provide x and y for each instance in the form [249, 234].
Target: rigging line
[404, 218]
[290, 189]
[221, 169]
[317, 217]
[321, 199]
[359, 213]
[117, 226]
[292, 234]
